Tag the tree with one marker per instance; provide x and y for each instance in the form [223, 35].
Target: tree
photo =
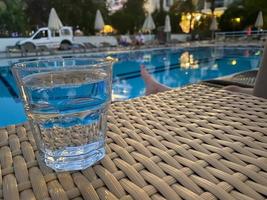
[159, 18]
[175, 20]
[186, 7]
[37, 12]
[12, 17]
[246, 11]
[79, 13]
[130, 17]
[72, 13]
[202, 27]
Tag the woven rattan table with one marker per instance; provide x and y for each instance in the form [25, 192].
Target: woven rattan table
[197, 143]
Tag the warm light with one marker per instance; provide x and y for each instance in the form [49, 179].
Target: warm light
[233, 62]
[198, 17]
[116, 97]
[237, 20]
[108, 29]
[218, 12]
[185, 21]
[147, 58]
[188, 16]
[214, 66]
[187, 61]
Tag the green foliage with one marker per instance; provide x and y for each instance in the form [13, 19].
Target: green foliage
[12, 17]
[227, 21]
[81, 13]
[202, 28]
[72, 13]
[175, 20]
[37, 12]
[25, 15]
[247, 11]
[130, 18]
[123, 22]
[187, 6]
[159, 17]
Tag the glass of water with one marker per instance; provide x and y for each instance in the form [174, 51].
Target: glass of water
[66, 101]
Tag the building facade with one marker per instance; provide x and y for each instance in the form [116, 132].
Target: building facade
[218, 3]
[114, 5]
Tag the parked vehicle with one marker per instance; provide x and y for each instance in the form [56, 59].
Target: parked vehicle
[61, 39]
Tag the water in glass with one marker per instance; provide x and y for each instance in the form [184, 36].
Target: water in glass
[68, 113]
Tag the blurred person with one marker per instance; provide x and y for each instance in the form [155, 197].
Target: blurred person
[78, 32]
[139, 39]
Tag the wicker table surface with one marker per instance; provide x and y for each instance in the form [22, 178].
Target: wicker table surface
[195, 143]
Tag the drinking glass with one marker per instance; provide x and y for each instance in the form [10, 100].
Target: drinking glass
[66, 101]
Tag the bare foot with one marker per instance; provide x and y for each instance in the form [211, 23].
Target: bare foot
[149, 81]
[152, 86]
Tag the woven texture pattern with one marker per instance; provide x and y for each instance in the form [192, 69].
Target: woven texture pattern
[246, 78]
[194, 143]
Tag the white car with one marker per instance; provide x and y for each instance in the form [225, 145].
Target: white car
[62, 39]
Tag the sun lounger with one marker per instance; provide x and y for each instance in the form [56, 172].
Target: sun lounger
[89, 45]
[247, 78]
[27, 49]
[243, 79]
[13, 50]
[107, 44]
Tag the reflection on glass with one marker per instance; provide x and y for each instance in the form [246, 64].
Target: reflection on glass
[121, 90]
[167, 62]
[147, 58]
[214, 66]
[187, 61]
[254, 63]
[258, 53]
[233, 62]
[151, 68]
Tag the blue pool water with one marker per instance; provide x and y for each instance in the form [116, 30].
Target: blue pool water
[173, 67]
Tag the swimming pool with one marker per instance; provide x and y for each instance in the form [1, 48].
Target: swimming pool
[174, 67]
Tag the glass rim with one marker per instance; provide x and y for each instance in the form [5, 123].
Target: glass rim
[100, 62]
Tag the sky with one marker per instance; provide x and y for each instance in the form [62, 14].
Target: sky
[115, 5]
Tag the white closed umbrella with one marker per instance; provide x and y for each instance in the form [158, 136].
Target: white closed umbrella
[259, 21]
[54, 22]
[149, 24]
[99, 22]
[213, 26]
[145, 24]
[167, 26]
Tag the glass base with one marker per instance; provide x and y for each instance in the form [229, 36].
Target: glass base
[76, 162]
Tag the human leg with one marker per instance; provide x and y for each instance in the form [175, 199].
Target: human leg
[152, 86]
